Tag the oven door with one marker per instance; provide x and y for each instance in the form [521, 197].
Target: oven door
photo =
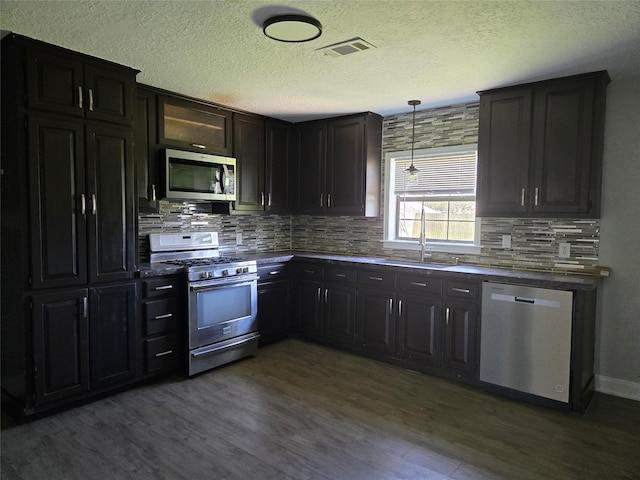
[222, 309]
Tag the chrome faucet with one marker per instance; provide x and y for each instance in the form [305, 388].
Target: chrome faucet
[423, 236]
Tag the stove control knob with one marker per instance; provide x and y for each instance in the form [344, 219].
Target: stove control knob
[225, 273]
[245, 269]
[239, 270]
[204, 275]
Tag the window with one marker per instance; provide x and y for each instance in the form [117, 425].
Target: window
[444, 192]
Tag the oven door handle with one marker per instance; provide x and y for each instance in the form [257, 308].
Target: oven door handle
[197, 286]
[224, 346]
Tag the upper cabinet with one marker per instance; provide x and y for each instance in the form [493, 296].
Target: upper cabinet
[146, 149]
[339, 161]
[263, 149]
[540, 148]
[191, 125]
[69, 84]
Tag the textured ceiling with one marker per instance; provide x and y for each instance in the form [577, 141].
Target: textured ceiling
[440, 52]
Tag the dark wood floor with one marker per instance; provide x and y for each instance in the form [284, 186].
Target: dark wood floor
[301, 411]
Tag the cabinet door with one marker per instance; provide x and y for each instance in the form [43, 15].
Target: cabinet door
[249, 150]
[274, 307]
[562, 156]
[110, 201]
[339, 311]
[461, 338]
[503, 153]
[376, 320]
[112, 334]
[58, 202]
[55, 83]
[60, 345]
[420, 320]
[195, 126]
[145, 150]
[309, 307]
[311, 143]
[109, 94]
[345, 166]
[278, 166]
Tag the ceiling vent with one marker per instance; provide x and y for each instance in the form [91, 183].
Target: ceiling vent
[345, 48]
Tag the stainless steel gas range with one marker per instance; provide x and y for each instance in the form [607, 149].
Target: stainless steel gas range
[222, 297]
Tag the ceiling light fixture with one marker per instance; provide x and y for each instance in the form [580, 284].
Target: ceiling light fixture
[292, 28]
[413, 171]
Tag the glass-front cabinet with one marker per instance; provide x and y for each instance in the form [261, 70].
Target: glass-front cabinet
[194, 126]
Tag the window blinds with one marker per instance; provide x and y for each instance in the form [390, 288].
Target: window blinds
[437, 175]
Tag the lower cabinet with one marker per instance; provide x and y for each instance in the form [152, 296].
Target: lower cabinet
[376, 311]
[161, 323]
[83, 340]
[339, 305]
[308, 308]
[274, 302]
[420, 330]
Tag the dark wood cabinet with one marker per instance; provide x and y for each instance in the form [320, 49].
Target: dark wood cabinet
[420, 330]
[309, 291]
[376, 311]
[249, 150]
[274, 302]
[112, 334]
[81, 195]
[540, 148]
[146, 150]
[279, 166]
[192, 125]
[339, 305]
[461, 352]
[70, 84]
[339, 161]
[60, 345]
[161, 311]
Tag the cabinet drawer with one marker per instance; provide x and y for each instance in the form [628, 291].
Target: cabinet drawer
[377, 278]
[310, 271]
[161, 286]
[160, 316]
[462, 289]
[419, 284]
[272, 273]
[339, 274]
[161, 353]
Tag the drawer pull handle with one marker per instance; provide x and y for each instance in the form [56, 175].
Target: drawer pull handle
[275, 272]
[164, 287]
[162, 354]
[160, 317]
[461, 290]
[341, 275]
[419, 284]
[379, 279]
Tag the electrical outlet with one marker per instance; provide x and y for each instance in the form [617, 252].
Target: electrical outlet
[238, 239]
[564, 250]
[506, 241]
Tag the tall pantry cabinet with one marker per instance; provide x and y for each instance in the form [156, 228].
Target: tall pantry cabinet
[68, 213]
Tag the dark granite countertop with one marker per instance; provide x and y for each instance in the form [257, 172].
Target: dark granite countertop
[555, 280]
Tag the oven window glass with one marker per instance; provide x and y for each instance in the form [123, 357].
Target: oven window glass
[220, 305]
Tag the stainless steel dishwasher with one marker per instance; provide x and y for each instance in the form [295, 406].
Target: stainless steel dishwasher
[525, 341]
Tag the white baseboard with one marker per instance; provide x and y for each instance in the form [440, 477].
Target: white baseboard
[617, 387]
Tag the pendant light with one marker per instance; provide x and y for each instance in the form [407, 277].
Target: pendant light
[412, 171]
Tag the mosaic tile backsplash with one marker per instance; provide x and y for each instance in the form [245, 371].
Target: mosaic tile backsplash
[534, 242]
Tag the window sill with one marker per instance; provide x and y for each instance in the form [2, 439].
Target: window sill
[459, 248]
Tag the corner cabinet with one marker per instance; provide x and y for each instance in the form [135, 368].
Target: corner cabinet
[339, 161]
[540, 148]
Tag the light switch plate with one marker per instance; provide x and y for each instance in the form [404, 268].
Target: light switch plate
[564, 250]
[506, 241]
[238, 239]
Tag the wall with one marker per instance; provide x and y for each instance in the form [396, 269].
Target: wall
[618, 335]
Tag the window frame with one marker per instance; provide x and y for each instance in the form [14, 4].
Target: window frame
[391, 204]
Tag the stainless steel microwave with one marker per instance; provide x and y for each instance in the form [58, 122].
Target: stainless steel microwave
[198, 176]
